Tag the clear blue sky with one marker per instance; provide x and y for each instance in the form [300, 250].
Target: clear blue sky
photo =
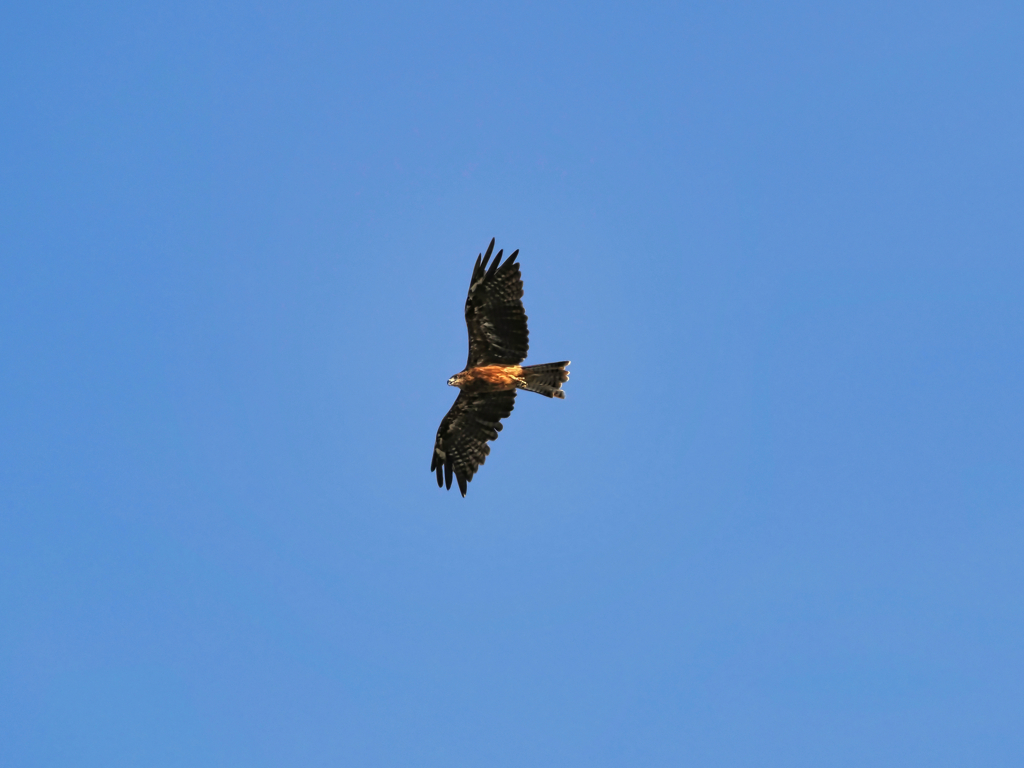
[776, 522]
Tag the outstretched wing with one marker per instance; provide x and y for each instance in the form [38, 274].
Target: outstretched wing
[494, 312]
[461, 443]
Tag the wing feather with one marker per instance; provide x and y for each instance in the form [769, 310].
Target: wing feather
[461, 443]
[495, 317]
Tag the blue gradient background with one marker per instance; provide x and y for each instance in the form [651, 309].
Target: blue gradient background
[778, 519]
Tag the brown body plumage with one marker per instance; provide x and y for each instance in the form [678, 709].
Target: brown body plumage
[489, 378]
[498, 343]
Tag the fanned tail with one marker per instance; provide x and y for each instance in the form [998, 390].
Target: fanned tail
[546, 379]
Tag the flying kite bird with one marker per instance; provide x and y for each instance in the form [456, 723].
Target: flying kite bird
[498, 342]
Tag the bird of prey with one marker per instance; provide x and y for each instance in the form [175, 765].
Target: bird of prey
[498, 342]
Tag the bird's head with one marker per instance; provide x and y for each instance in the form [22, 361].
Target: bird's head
[452, 382]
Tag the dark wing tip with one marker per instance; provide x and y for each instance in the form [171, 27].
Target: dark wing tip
[512, 258]
[494, 265]
[462, 484]
[487, 255]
